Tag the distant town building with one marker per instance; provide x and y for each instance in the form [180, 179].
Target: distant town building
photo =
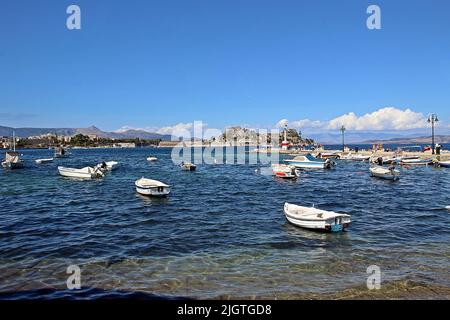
[124, 145]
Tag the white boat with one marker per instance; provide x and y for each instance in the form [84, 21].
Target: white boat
[447, 207]
[83, 173]
[384, 173]
[416, 161]
[40, 161]
[285, 171]
[149, 187]
[308, 161]
[188, 166]
[312, 218]
[354, 157]
[152, 158]
[111, 165]
[327, 155]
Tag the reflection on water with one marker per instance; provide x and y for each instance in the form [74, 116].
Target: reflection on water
[221, 232]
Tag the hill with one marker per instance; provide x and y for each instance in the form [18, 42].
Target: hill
[92, 130]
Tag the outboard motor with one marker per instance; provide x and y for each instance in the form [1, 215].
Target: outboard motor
[380, 161]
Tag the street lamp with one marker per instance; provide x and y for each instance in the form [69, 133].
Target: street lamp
[432, 118]
[343, 144]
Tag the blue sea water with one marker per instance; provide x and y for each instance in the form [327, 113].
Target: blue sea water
[221, 232]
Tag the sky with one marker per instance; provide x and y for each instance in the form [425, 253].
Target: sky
[158, 65]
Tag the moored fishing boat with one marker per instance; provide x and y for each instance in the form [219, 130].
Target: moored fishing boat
[416, 161]
[150, 187]
[285, 171]
[40, 161]
[328, 155]
[316, 219]
[309, 161]
[83, 173]
[384, 173]
[354, 157]
[188, 166]
[12, 158]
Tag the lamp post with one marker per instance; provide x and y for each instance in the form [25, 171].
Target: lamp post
[432, 118]
[343, 144]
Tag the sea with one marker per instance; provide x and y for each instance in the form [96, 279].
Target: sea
[221, 233]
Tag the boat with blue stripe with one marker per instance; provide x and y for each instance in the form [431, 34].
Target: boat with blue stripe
[310, 162]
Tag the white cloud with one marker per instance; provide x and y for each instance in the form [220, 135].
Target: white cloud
[383, 119]
[282, 123]
[306, 123]
[178, 129]
[388, 118]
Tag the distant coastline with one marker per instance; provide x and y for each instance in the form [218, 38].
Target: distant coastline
[415, 140]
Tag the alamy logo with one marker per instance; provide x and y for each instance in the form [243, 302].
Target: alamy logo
[374, 20]
[74, 280]
[73, 21]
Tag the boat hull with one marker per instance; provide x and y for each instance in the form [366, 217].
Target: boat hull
[309, 164]
[40, 161]
[12, 165]
[153, 191]
[444, 164]
[319, 220]
[75, 173]
[317, 226]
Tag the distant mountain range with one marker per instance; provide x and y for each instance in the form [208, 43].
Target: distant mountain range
[92, 130]
[417, 140]
[367, 137]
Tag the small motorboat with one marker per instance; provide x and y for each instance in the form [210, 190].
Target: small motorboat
[285, 171]
[188, 166]
[447, 207]
[83, 173]
[47, 160]
[149, 187]
[416, 161]
[327, 155]
[312, 218]
[385, 173]
[152, 158]
[111, 165]
[444, 164]
[310, 162]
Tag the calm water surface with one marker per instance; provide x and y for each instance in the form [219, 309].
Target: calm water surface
[221, 231]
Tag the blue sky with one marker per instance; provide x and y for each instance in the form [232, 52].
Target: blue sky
[151, 64]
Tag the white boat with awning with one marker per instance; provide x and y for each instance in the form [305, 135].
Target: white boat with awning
[150, 187]
[312, 218]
